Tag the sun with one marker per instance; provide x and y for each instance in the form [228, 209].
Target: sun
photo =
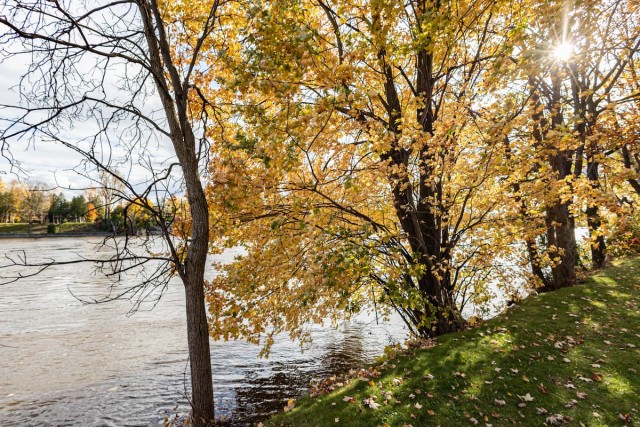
[563, 51]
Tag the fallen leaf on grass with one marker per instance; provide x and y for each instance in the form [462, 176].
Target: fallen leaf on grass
[348, 399]
[371, 403]
[555, 419]
[526, 398]
[625, 418]
[499, 402]
[291, 403]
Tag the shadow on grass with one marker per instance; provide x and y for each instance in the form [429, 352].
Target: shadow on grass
[568, 356]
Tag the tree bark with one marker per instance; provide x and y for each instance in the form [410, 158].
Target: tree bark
[561, 240]
[585, 108]
[175, 102]
[199, 352]
[197, 325]
[597, 243]
[560, 227]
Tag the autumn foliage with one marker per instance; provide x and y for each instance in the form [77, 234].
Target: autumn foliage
[414, 157]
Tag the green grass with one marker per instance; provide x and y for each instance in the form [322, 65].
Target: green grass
[67, 227]
[575, 352]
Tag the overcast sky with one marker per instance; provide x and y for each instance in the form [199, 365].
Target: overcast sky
[44, 162]
[52, 163]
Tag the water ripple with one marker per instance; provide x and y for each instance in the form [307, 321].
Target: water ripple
[63, 363]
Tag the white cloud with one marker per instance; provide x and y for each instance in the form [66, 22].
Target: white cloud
[54, 164]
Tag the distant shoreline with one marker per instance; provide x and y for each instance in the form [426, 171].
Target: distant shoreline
[53, 235]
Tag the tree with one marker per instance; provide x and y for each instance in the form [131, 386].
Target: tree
[10, 201]
[110, 190]
[92, 213]
[137, 215]
[6, 203]
[348, 180]
[102, 64]
[569, 61]
[33, 204]
[59, 209]
[78, 208]
[604, 50]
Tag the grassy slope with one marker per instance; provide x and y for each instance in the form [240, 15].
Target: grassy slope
[584, 339]
[67, 227]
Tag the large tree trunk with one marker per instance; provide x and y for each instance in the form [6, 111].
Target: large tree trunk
[560, 227]
[596, 239]
[175, 103]
[585, 108]
[562, 241]
[197, 325]
[199, 352]
[445, 316]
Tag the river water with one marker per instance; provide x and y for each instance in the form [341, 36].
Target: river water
[65, 363]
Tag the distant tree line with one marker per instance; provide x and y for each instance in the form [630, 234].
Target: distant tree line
[34, 203]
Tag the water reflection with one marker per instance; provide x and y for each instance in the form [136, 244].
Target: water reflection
[64, 363]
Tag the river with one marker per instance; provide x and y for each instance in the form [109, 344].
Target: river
[65, 363]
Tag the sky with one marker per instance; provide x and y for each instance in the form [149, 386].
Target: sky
[44, 162]
[52, 163]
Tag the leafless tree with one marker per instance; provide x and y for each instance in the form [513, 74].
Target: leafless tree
[107, 81]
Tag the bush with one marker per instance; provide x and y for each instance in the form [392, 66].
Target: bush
[52, 229]
[625, 240]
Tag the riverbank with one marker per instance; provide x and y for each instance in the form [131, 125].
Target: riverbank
[568, 357]
[22, 230]
[54, 235]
